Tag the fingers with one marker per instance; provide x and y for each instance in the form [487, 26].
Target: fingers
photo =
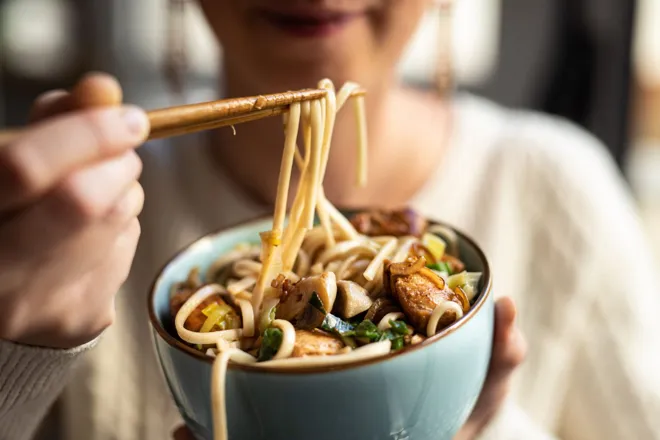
[508, 353]
[94, 90]
[50, 104]
[509, 346]
[111, 275]
[93, 192]
[129, 207]
[57, 147]
[105, 194]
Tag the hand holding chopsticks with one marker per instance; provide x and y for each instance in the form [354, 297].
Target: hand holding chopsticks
[176, 121]
[70, 198]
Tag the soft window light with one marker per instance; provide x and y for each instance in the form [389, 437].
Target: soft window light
[37, 39]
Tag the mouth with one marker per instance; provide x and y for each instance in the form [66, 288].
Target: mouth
[309, 24]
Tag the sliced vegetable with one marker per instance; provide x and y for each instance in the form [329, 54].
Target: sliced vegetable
[397, 344]
[349, 341]
[368, 330]
[333, 324]
[400, 328]
[472, 286]
[465, 302]
[473, 278]
[455, 264]
[219, 315]
[315, 301]
[313, 315]
[447, 234]
[380, 308]
[440, 267]
[268, 313]
[467, 281]
[470, 292]
[270, 343]
[433, 277]
[457, 280]
[435, 245]
[341, 328]
[408, 267]
[397, 340]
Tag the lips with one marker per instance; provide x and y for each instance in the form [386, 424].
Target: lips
[309, 23]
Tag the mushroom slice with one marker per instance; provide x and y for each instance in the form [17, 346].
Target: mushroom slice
[352, 299]
[295, 305]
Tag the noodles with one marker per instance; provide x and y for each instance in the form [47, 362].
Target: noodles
[362, 133]
[271, 242]
[384, 323]
[321, 295]
[247, 312]
[439, 311]
[246, 268]
[185, 311]
[242, 285]
[218, 394]
[347, 248]
[245, 252]
[288, 338]
[377, 262]
[367, 352]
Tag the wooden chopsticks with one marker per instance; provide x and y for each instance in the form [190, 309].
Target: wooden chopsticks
[176, 121]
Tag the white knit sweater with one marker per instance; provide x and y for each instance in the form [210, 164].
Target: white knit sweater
[541, 197]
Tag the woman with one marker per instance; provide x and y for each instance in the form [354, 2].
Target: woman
[541, 196]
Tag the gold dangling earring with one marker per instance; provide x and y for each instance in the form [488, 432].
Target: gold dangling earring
[444, 76]
[176, 59]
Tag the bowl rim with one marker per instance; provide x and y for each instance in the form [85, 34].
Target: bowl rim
[484, 295]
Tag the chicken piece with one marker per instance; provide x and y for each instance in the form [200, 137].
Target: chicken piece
[197, 318]
[316, 343]
[178, 297]
[295, 306]
[398, 223]
[419, 293]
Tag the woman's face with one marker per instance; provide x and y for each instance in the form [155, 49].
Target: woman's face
[274, 45]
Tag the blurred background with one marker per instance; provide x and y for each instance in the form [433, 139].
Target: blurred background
[596, 62]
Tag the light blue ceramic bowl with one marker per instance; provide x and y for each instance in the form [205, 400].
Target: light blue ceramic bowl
[422, 392]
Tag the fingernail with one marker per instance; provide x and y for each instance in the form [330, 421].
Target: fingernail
[136, 121]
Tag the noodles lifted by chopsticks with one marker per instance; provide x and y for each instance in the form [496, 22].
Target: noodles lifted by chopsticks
[335, 293]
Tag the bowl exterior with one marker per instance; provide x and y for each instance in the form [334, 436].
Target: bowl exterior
[426, 393]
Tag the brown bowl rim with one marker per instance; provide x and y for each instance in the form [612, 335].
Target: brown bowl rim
[484, 294]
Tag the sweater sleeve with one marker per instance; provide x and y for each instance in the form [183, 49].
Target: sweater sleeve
[610, 303]
[31, 378]
[603, 302]
[614, 390]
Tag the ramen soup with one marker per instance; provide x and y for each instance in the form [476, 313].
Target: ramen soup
[338, 292]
